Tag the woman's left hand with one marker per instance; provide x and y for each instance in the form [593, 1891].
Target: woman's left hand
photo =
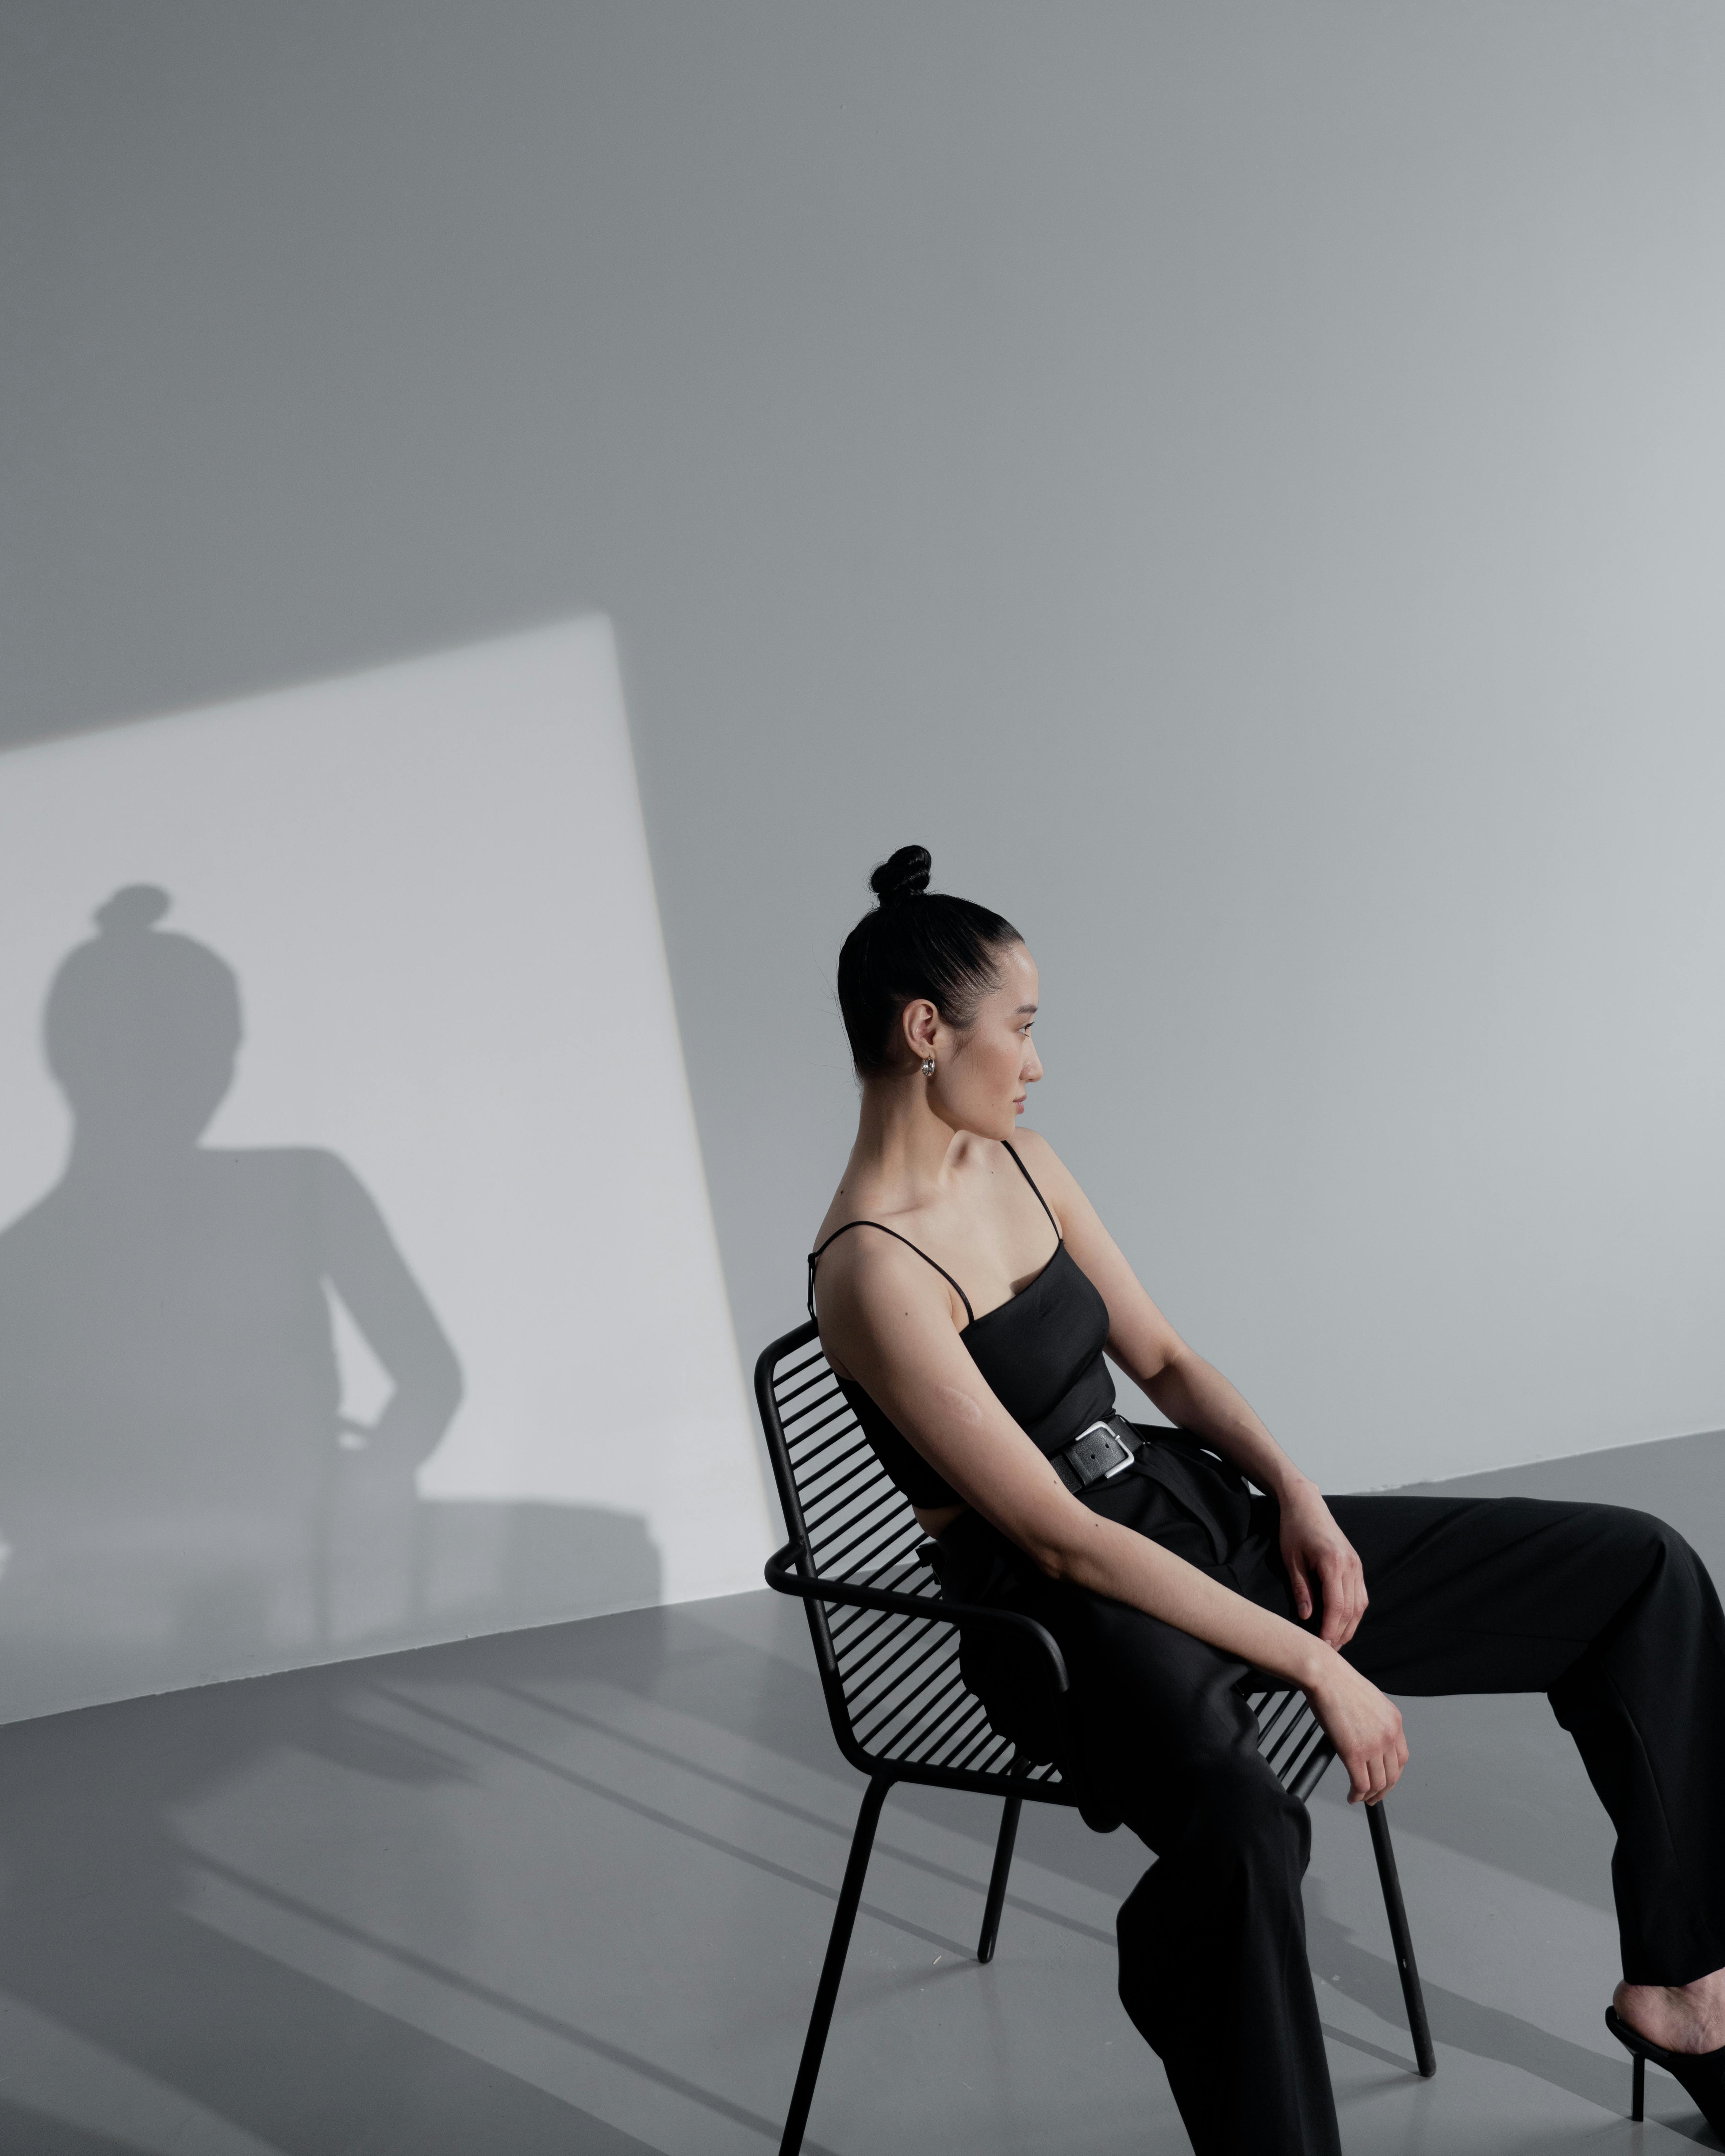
[1311, 1542]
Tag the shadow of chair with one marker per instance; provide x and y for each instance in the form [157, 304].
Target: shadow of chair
[887, 1645]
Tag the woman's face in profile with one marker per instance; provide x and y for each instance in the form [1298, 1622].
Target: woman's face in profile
[983, 1078]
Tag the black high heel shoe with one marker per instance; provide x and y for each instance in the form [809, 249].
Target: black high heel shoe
[1700, 2073]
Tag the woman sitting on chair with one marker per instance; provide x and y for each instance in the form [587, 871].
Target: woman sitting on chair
[968, 1293]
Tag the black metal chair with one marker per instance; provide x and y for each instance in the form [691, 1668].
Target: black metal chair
[886, 1645]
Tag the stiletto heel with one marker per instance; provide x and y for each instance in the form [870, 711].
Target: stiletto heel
[1700, 2074]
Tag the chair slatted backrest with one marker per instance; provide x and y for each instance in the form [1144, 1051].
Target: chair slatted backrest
[1291, 1738]
[892, 1680]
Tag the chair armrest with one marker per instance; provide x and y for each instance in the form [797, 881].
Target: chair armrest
[783, 1574]
[966, 1616]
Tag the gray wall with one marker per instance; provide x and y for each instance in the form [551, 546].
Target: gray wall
[1244, 484]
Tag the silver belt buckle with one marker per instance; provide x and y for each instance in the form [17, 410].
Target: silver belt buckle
[1105, 1430]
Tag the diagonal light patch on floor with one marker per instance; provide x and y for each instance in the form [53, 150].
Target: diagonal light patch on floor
[49, 2070]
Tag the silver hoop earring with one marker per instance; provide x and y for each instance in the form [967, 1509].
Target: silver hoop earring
[929, 1066]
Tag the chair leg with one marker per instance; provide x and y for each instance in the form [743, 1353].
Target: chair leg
[837, 1946]
[997, 1877]
[1412, 1996]
[1638, 2090]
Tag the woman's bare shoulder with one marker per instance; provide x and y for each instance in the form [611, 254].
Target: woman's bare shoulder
[868, 1278]
[1054, 1179]
[1039, 1156]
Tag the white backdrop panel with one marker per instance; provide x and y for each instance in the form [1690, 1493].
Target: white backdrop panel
[459, 1104]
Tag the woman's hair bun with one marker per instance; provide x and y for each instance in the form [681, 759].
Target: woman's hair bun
[905, 875]
[944, 950]
[136, 906]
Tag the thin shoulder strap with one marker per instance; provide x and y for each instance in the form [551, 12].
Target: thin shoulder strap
[1040, 1200]
[896, 1238]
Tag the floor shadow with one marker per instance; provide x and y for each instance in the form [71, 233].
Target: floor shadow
[29, 2132]
[1484, 2032]
[718, 1673]
[180, 1495]
[102, 1936]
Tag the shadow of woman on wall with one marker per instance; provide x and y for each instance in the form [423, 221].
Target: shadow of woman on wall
[174, 1475]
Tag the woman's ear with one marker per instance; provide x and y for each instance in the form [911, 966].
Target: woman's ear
[918, 1022]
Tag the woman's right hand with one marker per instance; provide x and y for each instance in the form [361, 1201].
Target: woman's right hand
[1365, 1727]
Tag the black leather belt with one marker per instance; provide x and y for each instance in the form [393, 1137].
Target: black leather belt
[1204, 1486]
[1106, 1449]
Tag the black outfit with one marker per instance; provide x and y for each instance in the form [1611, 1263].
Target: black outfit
[1607, 1611]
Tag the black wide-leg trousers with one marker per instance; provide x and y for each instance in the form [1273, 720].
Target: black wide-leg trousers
[1608, 1612]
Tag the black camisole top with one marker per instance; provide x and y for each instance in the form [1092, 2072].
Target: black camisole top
[1040, 1353]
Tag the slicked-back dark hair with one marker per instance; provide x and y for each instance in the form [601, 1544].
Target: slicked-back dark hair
[916, 943]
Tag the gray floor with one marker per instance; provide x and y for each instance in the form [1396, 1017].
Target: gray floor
[566, 1891]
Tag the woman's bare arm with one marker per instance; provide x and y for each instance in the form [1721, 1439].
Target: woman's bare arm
[888, 1320]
